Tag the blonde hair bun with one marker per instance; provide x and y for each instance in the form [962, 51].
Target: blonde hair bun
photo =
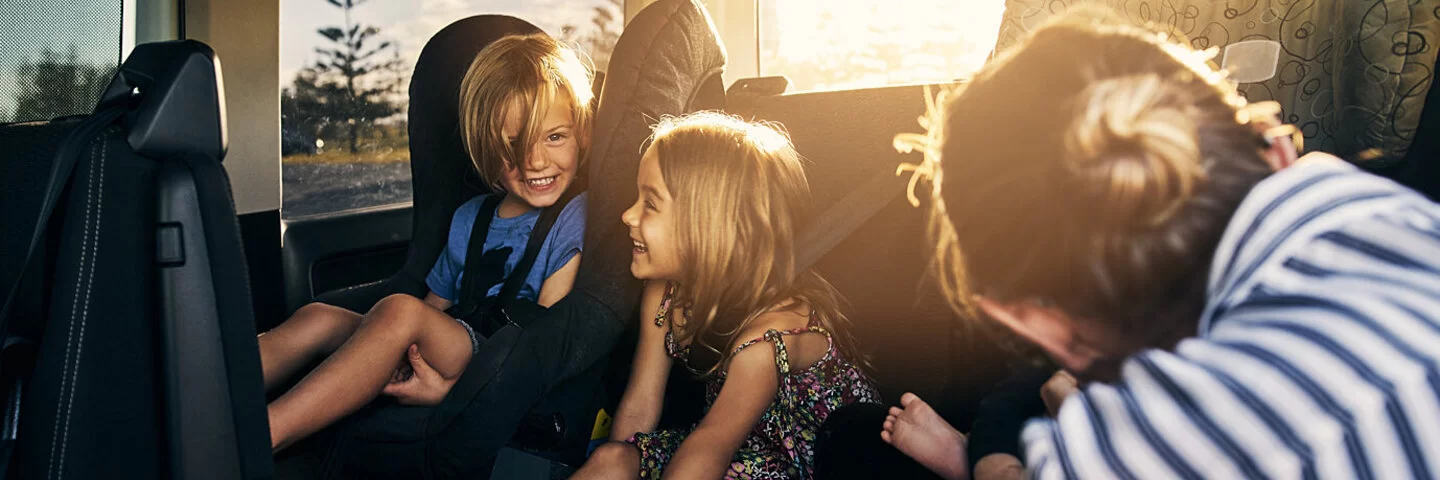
[1134, 145]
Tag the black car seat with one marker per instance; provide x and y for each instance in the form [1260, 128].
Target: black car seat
[667, 62]
[441, 171]
[131, 348]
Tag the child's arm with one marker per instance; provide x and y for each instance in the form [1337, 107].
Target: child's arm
[751, 381]
[565, 244]
[559, 283]
[645, 394]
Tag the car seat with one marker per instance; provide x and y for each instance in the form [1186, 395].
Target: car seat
[667, 62]
[130, 349]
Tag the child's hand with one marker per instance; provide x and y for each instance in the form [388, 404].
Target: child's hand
[1055, 390]
[424, 386]
[402, 372]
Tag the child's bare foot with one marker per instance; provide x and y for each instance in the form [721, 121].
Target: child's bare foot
[916, 430]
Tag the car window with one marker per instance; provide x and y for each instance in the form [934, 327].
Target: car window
[48, 67]
[843, 44]
[344, 73]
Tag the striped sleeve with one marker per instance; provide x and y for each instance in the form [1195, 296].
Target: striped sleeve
[1318, 357]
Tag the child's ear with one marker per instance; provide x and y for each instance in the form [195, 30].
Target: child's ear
[1047, 327]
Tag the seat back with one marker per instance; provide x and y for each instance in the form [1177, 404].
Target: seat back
[145, 363]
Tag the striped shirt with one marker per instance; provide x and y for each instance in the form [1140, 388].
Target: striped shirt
[1316, 356]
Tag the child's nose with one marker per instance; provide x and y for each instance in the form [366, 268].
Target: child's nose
[538, 159]
[628, 217]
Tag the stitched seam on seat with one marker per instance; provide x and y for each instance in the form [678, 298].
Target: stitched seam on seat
[85, 309]
[89, 245]
[74, 309]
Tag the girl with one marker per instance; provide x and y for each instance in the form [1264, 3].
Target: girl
[714, 231]
[525, 117]
[1108, 196]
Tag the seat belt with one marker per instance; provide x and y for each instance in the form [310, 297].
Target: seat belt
[511, 290]
[487, 363]
[473, 290]
[845, 217]
[61, 172]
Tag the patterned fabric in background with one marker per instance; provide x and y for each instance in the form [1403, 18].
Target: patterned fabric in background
[1353, 74]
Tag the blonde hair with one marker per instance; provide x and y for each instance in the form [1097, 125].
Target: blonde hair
[1095, 167]
[740, 191]
[529, 72]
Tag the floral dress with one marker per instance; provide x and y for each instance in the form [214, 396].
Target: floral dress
[782, 444]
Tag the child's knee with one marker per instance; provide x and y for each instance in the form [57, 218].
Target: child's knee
[397, 311]
[614, 455]
[313, 310]
[327, 317]
[325, 321]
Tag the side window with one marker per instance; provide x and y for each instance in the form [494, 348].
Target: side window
[49, 66]
[829, 45]
[344, 74]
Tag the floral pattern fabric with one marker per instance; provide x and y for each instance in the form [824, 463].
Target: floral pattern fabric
[782, 444]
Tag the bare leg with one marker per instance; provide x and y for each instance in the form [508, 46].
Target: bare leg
[916, 430]
[312, 332]
[360, 368]
[611, 460]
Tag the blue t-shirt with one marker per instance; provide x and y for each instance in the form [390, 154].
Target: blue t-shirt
[563, 244]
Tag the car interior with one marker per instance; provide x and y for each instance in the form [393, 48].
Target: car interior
[135, 287]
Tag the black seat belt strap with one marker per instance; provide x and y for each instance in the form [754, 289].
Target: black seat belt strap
[538, 234]
[61, 172]
[468, 300]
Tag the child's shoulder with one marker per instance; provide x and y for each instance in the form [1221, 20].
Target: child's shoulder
[790, 322]
[577, 205]
[472, 206]
[574, 213]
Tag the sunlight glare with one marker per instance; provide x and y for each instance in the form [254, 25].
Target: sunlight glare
[837, 44]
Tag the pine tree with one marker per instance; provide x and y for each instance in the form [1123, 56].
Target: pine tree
[345, 71]
[599, 42]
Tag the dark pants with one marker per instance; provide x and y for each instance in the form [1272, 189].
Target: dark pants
[569, 341]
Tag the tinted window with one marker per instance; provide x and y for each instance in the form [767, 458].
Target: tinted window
[49, 67]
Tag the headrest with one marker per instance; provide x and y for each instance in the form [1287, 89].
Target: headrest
[434, 113]
[668, 61]
[176, 98]
[440, 170]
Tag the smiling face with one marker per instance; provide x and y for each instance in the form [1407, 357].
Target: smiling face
[656, 254]
[549, 164]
